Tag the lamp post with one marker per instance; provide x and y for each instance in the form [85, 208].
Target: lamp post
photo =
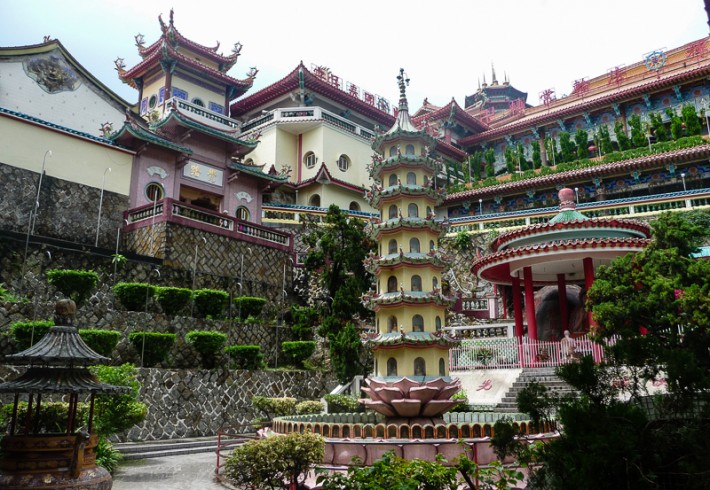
[101, 202]
[30, 222]
[682, 176]
[241, 281]
[283, 306]
[480, 206]
[705, 113]
[576, 194]
[39, 187]
[194, 275]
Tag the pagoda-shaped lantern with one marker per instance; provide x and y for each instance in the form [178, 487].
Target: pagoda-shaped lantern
[410, 347]
[57, 365]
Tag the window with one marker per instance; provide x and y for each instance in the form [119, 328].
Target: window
[248, 161]
[435, 283]
[417, 323]
[409, 150]
[314, 200]
[179, 93]
[426, 181]
[310, 159]
[392, 246]
[153, 101]
[411, 178]
[437, 322]
[392, 324]
[242, 213]
[419, 366]
[414, 245]
[391, 366]
[428, 211]
[416, 283]
[219, 109]
[442, 367]
[392, 213]
[343, 163]
[144, 106]
[431, 245]
[354, 206]
[413, 211]
[154, 192]
[392, 284]
[393, 151]
[198, 102]
[161, 95]
[393, 180]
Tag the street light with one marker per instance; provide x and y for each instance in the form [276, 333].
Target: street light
[283, 306]
[682, 176]
[30, 223]
[194, 275]
[39, 187]
[576, 194]
[480, 206]
[101, 202]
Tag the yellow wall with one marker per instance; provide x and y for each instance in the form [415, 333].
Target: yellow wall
[73, 159]
[404, 315]
[404, 236]
[405, 360]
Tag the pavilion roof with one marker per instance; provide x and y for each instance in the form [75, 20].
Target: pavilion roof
[324, 174]
[132, 130]
[410, 338]
[47, 380]
[452, 112]
[61, 346]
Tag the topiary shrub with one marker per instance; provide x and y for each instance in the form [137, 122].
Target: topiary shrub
[210, 303]
[118, 413]
[309, 407]
[172, 300]
[343, 404]
[275, 462]
[250, 306]
[133, 295]
[52, 417]
[305, 318]
[153, 347]
[298, 351]
[244, 356]
[208, 344]
[274, 407]
[24, 335]
[101, 341]
[74, 284]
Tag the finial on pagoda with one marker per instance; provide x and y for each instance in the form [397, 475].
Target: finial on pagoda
[140, 40]
[484, 85]
[237, 49]
[566, 197]
[403, 81]
[494, 80]
[64, 312]
[120, 65]
[171, 16]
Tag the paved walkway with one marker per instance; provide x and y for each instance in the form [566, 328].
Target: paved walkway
[189, 472]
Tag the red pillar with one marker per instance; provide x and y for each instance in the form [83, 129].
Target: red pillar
[562, 293]
[517, 307]
[530, 303]
[588, 282]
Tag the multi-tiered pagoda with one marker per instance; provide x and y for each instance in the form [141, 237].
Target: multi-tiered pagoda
[410, 347]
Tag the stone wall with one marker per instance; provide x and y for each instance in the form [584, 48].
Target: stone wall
[196, 403]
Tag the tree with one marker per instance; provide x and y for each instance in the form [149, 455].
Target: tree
[536, 157]
[566, 147]
[638, 137]
[605, 140]
[659, 129]
[691, 120]
[676, 124]
[490, 156]
[581, 139]
[621, 137]
[510, 165]
[475, 161]
[347, 353]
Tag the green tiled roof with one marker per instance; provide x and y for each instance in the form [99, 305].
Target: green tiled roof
[145, 135]
[568, 216]
[190, 123]
[256, 171]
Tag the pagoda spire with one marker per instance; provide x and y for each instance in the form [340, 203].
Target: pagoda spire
[494, 80]
[404, 121]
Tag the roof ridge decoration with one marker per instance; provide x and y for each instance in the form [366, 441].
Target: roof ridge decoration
[404, 121]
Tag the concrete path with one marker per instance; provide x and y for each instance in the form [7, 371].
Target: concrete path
[189, 472]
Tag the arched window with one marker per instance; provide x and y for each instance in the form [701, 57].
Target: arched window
[442, 367]
[414, 245]
[435, 283]
[417, 323]
[198, 102]
[393, 180]
[392, 246]
[411, 178]
[426, 180]
[314, 200]
[310, 159]
[392, 212]
[354, 206]
[431, 245]
[392, 324]
[416, 283]
[343, 163]
[409, 150]
[391, 366]
[242, 213]
[154, 192]
[249, 161]
[437, 322]
[419, 366]
[428, 211]
[393, 151]
[413, 211]
[392, 284]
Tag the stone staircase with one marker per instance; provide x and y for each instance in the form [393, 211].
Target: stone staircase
[171, 447]
[545, 376]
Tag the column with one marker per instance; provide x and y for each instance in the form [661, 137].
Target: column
[588, 282]
[517, 307]
[530, 303]
[562, 294]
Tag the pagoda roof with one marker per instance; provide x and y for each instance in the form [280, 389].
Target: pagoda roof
[257, 171]
[583, 174]
[416, 339]
[60, 381]
[415, 259]
[376, 301]
[426, 108]
[324, 174]
[397, 191]
[132, 130]
[301, 78]
[452, 112]
[397, 224]
[685, 69]
[63, 346]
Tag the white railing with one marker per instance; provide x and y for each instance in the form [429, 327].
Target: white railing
[516, 352]
[204, 113]
[303, 114]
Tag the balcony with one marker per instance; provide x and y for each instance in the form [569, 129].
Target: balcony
[294, 214]
[202, 114]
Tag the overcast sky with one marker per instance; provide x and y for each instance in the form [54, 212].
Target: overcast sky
[445, 46]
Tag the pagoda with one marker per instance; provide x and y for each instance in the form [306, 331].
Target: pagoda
[410, 346]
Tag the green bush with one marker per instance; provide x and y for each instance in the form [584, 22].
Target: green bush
[208, 344]
[172, 300]
[274, 407]
[133, 295]
[118, 413]
[309, 407]
[101, 341]
[52, 417]
[24, 336]
[107, 456]
[210, 303]
[298, 351]
[244, 356]
[250, 306]
[156, 346]
[74, 284]
[343, 404]
[275, 462]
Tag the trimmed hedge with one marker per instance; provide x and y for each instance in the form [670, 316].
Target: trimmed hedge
[74, 284]
[250, 306]
[52, 416]
[309, 407]
[172, 300]
[208, 343]
[100, 341]
[343, 404]
[133, 295]
[298, 351]
[22, 332]
[210, 302]
[157, 346]
[275, 407]
[245, 356]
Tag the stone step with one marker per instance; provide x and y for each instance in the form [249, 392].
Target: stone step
[172, 447]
